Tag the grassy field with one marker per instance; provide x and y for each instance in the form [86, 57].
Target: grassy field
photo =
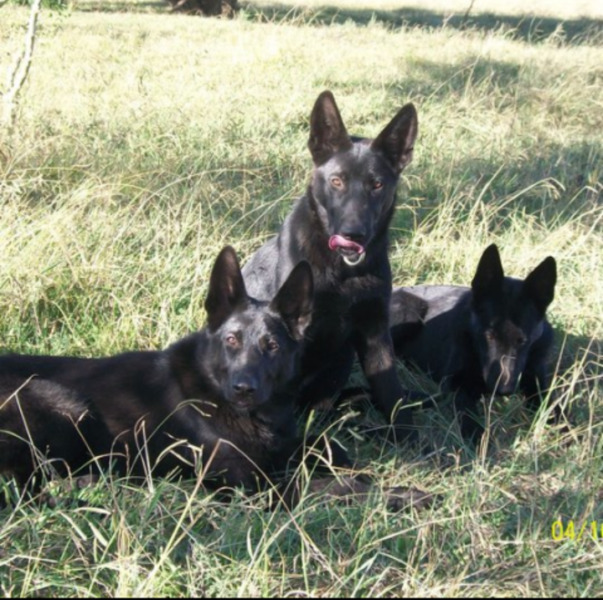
[145, 141]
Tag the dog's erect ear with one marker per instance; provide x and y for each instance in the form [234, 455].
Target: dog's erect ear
[328, 134]
[489, 277]
[539, 285]
[226, 289]
[295, 299]
[397, 140]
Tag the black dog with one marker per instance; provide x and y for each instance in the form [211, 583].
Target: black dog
[488, 339]
[219, 399]
[341, 228]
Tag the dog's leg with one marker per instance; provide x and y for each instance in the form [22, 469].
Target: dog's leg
[322, 389]
[376, 353]
[319, 456]
[465, 405]
[332, 476]
[378, 363]
[536, 377]
[534, 385]
[318, 453]
[356, 488]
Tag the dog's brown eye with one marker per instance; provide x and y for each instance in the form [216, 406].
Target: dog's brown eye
[337, 183]
[489, 335]
[232, 340]
[377, 185]
[272, 345]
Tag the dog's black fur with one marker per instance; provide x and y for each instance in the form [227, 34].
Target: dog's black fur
[491, 338]
[340, 226]
[220, 398]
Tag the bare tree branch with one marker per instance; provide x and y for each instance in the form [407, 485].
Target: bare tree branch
[19, 72]
[466, 16]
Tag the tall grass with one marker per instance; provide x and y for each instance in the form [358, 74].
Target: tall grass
[146, 141]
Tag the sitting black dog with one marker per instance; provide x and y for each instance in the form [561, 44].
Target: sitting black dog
[341, 227]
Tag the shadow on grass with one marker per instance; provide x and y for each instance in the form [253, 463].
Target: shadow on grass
[553, 185]
[530, 28]
[427, 80]
[157, 6]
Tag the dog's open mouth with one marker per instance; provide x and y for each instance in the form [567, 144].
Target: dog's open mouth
[352, 253]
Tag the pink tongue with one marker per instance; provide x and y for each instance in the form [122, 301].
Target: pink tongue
[338, 241]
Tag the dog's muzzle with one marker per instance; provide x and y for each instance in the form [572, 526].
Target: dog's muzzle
[353, 254]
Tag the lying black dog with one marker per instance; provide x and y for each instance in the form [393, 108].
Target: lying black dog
[488, 339]
[220, 401]
[220, 396]
[341, 228]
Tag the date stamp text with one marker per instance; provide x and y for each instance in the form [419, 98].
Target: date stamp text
[576, 531]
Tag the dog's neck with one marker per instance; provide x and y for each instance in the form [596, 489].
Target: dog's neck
[190, 373]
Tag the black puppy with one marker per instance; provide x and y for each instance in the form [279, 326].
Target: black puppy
[341, 228]
[488, 339]
[220, 399]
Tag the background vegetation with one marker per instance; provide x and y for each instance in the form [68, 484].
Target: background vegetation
[145, 141]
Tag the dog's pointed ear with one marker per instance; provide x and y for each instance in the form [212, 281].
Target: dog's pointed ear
[397, 140]
[295, 299]
[328, 134]
[489, 276]
[539, 285]
[226, 289]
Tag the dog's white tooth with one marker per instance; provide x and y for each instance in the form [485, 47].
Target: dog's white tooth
[352, 263]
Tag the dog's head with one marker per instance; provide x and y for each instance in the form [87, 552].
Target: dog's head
[354, 180]
[507, 317]
[254, 346]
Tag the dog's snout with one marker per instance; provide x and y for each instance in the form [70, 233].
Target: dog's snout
[245, 386]
[501, 378]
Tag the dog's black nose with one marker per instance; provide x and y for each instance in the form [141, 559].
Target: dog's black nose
[245, 386]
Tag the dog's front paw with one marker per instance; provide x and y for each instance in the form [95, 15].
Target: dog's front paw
[404, 498]
[401, 435]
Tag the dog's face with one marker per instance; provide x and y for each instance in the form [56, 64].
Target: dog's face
[254, 346]
[507, 318]
[354, 180]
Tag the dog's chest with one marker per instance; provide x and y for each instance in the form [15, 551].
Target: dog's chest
[340, 304]
[248, 433]
[245, 449]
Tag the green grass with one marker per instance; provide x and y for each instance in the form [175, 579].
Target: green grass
[145, 141]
